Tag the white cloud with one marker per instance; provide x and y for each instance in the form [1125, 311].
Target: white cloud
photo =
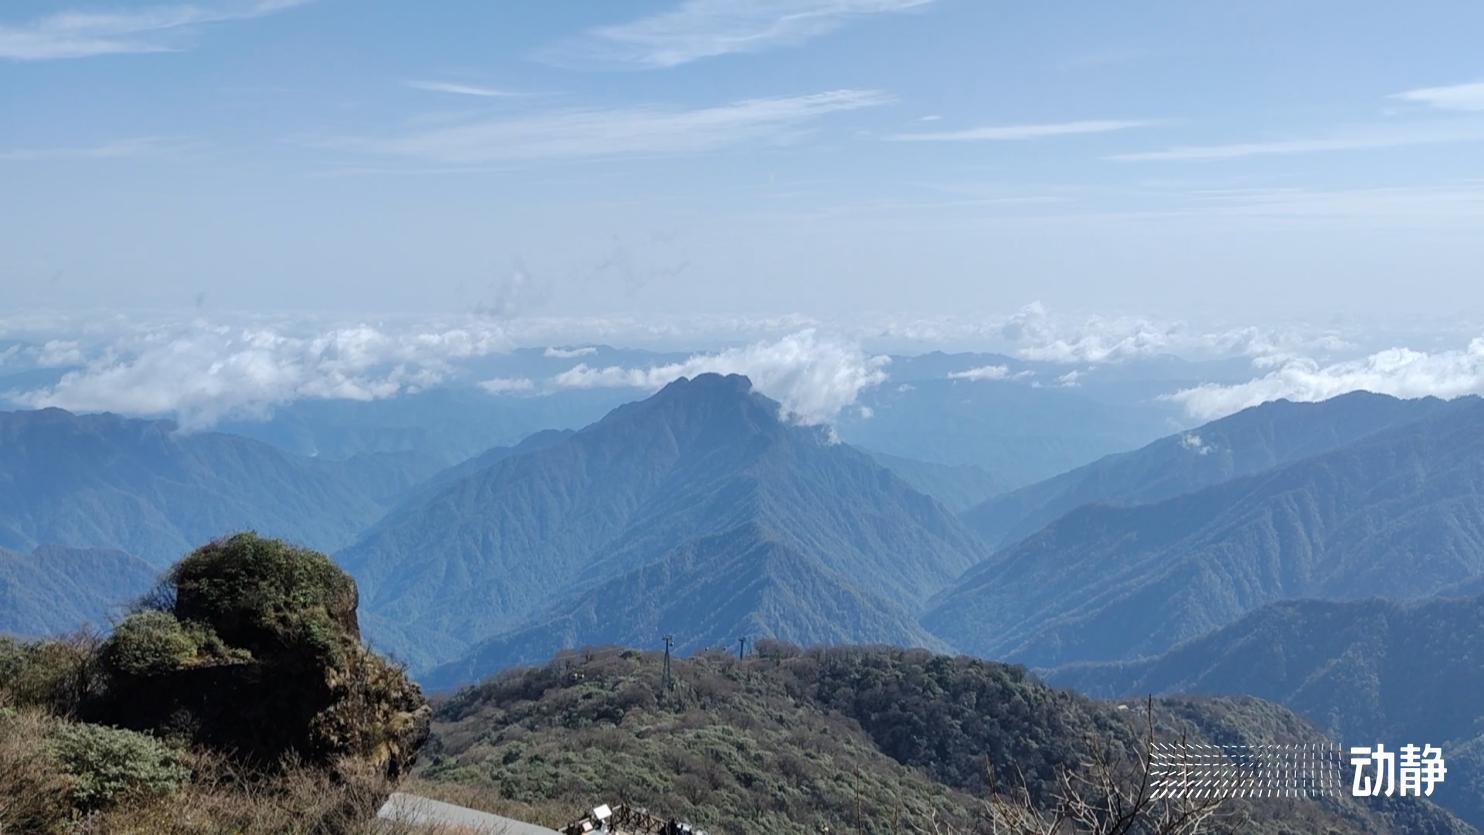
[1095, 339]
[578, 133]
[1468, 97]
[813, 377]
[1363, 139]
[990, 372]
[202, 372]
[1071, 379]
[699, 29]
[1401, 372]
[554, 352]
[508, 385]
[983, 372]
[460, 89]
[58, 353]
[161, 28]
[1015, 133]
[1193, 442]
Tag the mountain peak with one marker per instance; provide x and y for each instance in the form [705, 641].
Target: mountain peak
[709, 382]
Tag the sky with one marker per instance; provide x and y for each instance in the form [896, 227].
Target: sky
[1247, 162]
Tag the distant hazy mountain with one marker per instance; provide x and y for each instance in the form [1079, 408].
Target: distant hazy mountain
[141, 486]
[707, 593]
[1365, 671]
[1018, 432]
[957, 486]
[53, 590]
[496, 550]
[1248, 442]
[1399, 513]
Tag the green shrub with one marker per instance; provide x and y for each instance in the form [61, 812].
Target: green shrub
[263, 594]
[110, 765]
[149, 643]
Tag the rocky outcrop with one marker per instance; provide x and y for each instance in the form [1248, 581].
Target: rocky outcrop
[253, 648]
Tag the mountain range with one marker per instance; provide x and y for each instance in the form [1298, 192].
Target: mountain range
[640, 512]
[1398, 513]
[145, 488]
[54, 590]
[1249, 442]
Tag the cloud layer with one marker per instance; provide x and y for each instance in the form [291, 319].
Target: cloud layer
[1400, 372]
[201, 373]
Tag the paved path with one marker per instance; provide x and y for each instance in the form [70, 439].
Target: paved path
[410, 808]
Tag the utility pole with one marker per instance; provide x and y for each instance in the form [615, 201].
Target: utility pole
[742, 647]
[669, 682]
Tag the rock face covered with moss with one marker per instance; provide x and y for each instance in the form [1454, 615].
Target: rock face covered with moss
[253, 647]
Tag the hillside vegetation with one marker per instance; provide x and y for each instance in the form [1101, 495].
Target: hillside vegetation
[854, 738]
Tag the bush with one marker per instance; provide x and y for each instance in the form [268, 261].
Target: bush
[111, 765]
[266, 595]
[55, 675]
[148, 643]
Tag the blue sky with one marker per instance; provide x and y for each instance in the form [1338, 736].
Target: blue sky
[1256, 160]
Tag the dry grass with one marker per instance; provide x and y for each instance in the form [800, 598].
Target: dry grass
[301, 800]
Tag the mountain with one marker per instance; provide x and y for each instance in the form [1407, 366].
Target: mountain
[494, 551]
[1246, 443]
[1398, 514]
[146, 488]
[1364, 671]
[744, 582]
[957, 486]
[858, 739]
[1020, 432]
[53, 590]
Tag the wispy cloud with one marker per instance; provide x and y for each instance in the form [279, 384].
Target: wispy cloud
[461, 89]
[162, 28]
[1016, 133]
[1469, 96]
[1369, 138]
[118, 149]
[699, 29]
[579, 133]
